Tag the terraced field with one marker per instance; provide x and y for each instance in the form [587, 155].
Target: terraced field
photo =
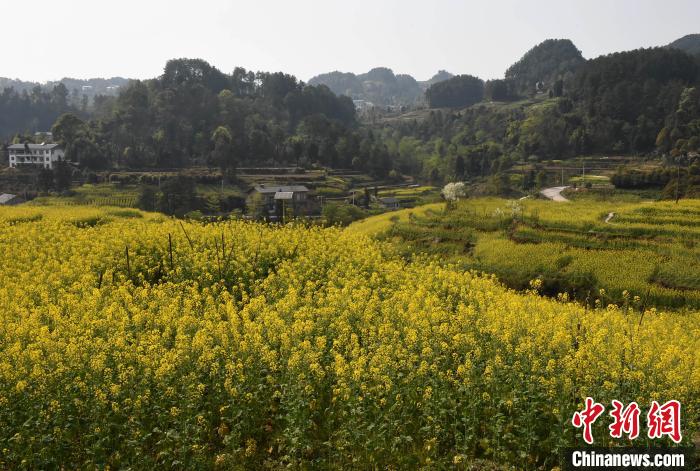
[646, 253]
[105, 194]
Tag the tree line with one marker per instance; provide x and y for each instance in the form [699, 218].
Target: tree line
[194, 114]
[29, 111]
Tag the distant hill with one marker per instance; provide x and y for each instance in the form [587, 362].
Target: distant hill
[379, 86]
[547, 62]
[77, 88]
[441, 76]
[689, 43]
[543, 68]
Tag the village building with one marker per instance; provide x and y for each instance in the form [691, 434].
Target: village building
[277, 197]
[38, 155]
[7, 199]
[363, 105]
[389, 202]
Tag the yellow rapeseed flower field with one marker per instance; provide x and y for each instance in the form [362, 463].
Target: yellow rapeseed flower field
[132, 340]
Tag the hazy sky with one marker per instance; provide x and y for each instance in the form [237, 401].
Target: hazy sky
[50, 39]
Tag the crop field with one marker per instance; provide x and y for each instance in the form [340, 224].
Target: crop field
[132, 340]
[411, 192]
[593, 179]
[105, 194]
[647, 253]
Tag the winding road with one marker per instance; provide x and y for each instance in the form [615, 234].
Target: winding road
[554, 193]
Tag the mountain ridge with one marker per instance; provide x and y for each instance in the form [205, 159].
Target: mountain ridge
[380, 85]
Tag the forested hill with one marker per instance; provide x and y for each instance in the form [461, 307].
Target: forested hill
[194, 114]
[544, 67]
[639, 102]
[556, 64]
[379, 86]
[689, 43]
[549, 61]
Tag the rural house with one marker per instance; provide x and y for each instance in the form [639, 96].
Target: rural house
[389, 202]
[40, 155]
[275, 196]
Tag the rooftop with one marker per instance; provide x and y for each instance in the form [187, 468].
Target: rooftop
[284, 195]
[32, 146]
[266, 189]
[5, 197]
[389, 200]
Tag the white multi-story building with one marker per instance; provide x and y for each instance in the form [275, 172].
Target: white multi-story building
[44, 155]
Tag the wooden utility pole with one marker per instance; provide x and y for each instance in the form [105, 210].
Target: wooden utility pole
[170, 249]
[128, 265]
[678, 179]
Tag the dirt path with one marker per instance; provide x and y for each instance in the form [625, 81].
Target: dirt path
[554, 193]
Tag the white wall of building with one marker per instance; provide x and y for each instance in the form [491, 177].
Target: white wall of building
[46, 158]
